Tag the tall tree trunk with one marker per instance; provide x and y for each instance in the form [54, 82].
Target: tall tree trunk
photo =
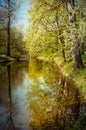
[8, 29]
[62, 42]
[82, 47]
[61, 37]
[74, 36]
[63, 50]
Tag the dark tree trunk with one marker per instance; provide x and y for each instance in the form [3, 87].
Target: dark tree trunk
[8, 30]
[63, 55]
[74, 36]
[77, 58]
[76, 105]
[63, 44]
[82, 47]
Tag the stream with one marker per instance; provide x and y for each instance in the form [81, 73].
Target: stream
[36, 96]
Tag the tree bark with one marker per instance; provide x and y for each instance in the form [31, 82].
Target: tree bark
[82, 47]
[74, 36]
[61, 38]
[8, 30]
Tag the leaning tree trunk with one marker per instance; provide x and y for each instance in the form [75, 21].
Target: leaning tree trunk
[8, 29]
[74, 36]
[82, 47]
[63, 46]
[61, 39]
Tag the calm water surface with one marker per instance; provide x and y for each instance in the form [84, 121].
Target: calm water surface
[35, 96]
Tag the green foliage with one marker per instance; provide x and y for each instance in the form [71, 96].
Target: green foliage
[52, 99]
[50, 28]
[17, 42]
[3, 40]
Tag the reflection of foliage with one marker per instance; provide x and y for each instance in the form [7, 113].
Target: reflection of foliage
[16, 70]
[35, 68]
[51, 75]
[53, 102]
[41, 105]
[3, 77]
[11, 75]
[38, 68]
[80, 125]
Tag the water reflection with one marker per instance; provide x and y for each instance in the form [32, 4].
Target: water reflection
[13, 80]
[53, 101]
[9, 124]
[37, 97]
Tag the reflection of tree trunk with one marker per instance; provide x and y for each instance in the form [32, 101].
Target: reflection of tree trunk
[11, 124]
[68, 103]
[76, 105]
[9, 86]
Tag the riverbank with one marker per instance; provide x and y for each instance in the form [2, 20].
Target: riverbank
[78, 76]
[4, 59]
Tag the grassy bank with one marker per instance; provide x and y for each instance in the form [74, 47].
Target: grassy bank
[78, 76]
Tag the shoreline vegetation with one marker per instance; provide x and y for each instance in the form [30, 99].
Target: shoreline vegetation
[79, 76]
[4, 59]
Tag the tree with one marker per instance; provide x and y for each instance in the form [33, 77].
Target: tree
[7, 8]
[8, 27]
[60, 21]
[3, 39]
[17, 43]
[76, 45]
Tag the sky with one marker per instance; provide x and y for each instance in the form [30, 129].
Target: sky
[21, 14]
